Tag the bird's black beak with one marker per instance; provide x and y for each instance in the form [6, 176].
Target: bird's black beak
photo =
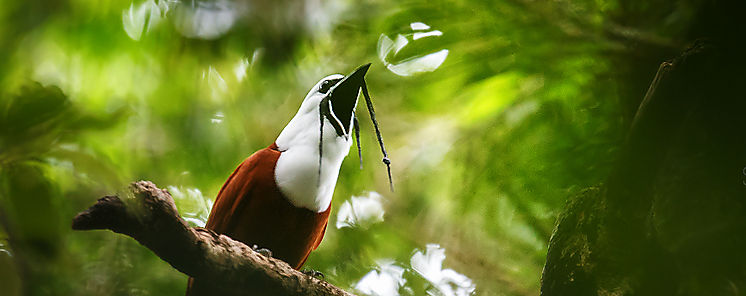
[343, 99]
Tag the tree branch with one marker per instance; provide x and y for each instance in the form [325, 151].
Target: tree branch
[151, 218]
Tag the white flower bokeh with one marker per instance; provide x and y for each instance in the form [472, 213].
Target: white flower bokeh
[448, 282]
[388, 278]
[385, 280]
[361, 211]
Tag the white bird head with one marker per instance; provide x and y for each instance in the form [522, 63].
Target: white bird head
[317, 139]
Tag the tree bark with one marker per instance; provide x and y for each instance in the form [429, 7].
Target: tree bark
[150, 217]
[669, 220]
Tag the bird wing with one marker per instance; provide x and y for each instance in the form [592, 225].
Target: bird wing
[228, 200]
[247, 181]
[250, 177]
[321, 237]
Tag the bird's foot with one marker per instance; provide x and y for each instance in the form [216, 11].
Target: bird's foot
[313, 273]
[263, 251]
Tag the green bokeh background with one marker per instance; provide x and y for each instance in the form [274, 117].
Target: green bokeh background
[529, 107]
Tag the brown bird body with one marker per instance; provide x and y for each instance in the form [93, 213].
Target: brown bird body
[251, 209]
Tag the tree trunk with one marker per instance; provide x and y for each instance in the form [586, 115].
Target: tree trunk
[671, 218]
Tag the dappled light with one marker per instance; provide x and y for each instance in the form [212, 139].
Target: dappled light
[389, 49]
[193, 206]
[217, 118]
[429, 264]
[361, 211]
[4, 250]
[140, 19]
[391, 278]
[206, 19]
[386, 279]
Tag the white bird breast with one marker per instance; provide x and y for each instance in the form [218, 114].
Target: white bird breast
[297, 169]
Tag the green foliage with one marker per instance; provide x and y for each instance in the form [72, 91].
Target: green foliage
[528, 108]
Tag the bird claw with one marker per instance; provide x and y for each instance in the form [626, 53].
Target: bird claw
[263, 251]
[313, 273]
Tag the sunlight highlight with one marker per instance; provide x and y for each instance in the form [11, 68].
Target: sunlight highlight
[419, 26]
[141, 19]
[389, 278]
[385, 280]
[215, 83]
[206, 20]
[217, 118]
[428, 63]
[429, 265]
[3, 249]
[388, 49]
[240, 69]
[193, 206]
[361, 211]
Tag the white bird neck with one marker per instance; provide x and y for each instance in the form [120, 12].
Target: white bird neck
[297, 169]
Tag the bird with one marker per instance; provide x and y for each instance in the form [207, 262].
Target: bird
[279, 198]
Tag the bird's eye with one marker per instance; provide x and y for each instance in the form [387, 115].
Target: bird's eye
[327, 84]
